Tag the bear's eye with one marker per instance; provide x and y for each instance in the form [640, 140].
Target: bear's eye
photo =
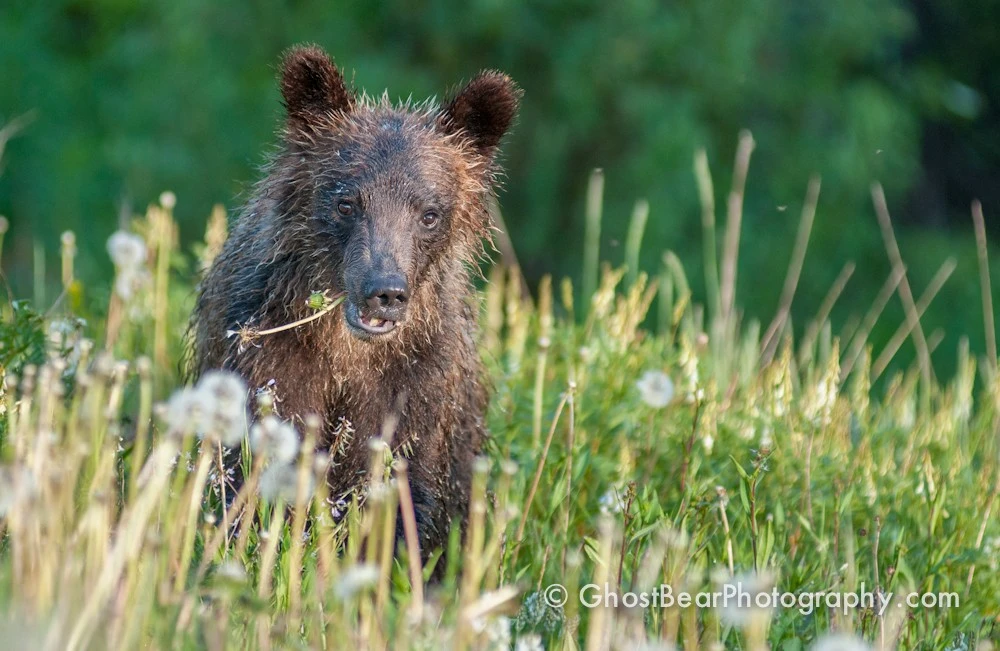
[430, 219]
[345, 208]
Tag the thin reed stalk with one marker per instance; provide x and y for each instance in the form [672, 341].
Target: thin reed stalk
[633, 241]
[905, 293]
[519, 537]
[825, 308]
[734, 222]
[769, 344]
[545, 321]
[904, 330]
[871, 318]
[706, 196]
[592, 233]
[985, 287]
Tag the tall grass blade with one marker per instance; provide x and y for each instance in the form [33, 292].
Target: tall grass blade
[770, 342]
[985, 288]
[706, 196]
[592, 234]
[734, 222]
[633, 242]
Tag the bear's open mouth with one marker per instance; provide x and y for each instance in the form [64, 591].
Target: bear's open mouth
[375, 325]
[366, 325]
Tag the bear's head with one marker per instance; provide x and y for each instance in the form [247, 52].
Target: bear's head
[390, 195]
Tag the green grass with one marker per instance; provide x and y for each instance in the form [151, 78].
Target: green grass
[766, 466]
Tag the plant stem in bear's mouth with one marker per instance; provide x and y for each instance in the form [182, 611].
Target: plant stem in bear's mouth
[248, 334]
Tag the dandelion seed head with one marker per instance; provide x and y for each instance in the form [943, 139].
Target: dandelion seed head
[753, 584]
[992, 551]
[130, 281]
[275, 439]
[227, 393]
[127, 250]
[656, 389]
[840, 642]
[379, 492]
[231, 571]
[186, 411]
[356, 579]
[104, 366]
[280, 481]
[530, 642]
[498, 632]
[168, 200]
[68, 239]
[313, 422]
[225, 387]
[321, 464]
[612, 501]
[59, 365]
[666, 646]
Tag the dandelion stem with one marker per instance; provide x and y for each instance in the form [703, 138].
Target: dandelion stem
[267, 563]
[191, 523]
[538, 476]
[545, 327]
[142, 425]
[249, 335]
[296, 553]
[412, 543]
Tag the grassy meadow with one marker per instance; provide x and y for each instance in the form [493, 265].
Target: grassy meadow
[641, 437]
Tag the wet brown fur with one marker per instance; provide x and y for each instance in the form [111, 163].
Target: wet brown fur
[284, 246]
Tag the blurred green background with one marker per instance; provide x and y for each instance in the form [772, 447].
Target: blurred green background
[123, 100]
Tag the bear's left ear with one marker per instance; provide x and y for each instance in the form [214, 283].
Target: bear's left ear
[483, 110]
[311, 86]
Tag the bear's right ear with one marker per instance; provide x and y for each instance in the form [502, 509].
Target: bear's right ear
[312, 86]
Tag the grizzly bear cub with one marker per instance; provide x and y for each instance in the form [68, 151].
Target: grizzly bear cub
[386, 204]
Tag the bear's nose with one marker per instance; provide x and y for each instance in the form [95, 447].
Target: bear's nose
[386, 292]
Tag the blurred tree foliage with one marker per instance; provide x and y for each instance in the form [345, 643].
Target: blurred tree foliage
[132, 97]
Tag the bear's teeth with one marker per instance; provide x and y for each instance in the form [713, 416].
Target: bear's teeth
[376, 322]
